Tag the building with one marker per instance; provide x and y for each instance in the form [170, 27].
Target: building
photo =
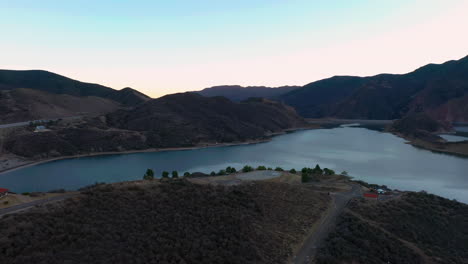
[40, 129]
[380, 191]
[3, 192]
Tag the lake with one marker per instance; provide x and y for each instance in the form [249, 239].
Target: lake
[365, 154]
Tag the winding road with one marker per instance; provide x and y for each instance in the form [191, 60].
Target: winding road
[339, 201]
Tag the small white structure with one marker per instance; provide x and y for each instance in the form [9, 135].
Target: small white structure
[40, 129]
[380, 191]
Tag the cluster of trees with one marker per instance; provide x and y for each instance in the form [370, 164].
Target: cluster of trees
[307, 174]
[149, 175]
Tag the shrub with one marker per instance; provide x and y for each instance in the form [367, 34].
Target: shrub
[221, 172]
[305, 177]
[213, 173]
[269, 168]
[26, 193]
[261, 168]
[292, 171]
[149, 175]
[175, 174]
[279, 169]
[186, 174]
[165, 174]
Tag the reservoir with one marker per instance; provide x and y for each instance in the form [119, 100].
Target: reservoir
[368, 155]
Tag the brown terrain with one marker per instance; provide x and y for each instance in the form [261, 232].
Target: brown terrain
[27, 104]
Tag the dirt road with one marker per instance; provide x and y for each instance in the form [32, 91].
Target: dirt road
[340, 199]
[24, 206]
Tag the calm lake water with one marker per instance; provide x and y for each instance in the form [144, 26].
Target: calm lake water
[368, 155]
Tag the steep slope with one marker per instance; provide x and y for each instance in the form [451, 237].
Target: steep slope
[189, 117]
[26, 104]
[386, 96]
[57, 84]
[238, 93]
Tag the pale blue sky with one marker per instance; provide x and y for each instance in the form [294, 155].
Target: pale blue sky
[161, 47]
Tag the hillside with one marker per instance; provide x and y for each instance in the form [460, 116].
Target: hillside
[172, 222]
[416, 228]
[26, 104]
[179, 120]
[187, 118]
[438, 89]
[57, 84]
[239, 93]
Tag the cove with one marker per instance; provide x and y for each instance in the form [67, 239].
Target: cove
[368, 155]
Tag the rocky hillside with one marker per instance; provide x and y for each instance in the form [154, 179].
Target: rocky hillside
[174, 222]
[188, 118]
[441, 90]
[238, 93]
[56, 84]
[27, 104]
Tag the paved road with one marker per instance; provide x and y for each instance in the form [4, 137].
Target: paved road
[26, 123]
[307, 253]
[24, 206]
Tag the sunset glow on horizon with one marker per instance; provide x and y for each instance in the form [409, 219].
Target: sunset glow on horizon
[162, 47]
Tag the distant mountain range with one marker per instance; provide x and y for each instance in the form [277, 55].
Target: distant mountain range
[441, 90]
[238, 93]
[36, 94]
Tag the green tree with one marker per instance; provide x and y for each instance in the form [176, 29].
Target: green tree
[261, 168]
[221, 172]
[165, 174]
[344, 173]
[247, 168]
[175, 174]
[228, 169]
[213, 173]
[269, 168]
[279, 169]
[317, 170]
[293, 171]
[149, 175]
[186, 174]
[328, 171]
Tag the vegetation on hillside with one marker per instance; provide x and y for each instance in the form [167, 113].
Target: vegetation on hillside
[171, 222]
[416, 228]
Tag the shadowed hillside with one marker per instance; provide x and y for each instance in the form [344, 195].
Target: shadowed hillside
[174, 222]
[189, 117]
[438, 89]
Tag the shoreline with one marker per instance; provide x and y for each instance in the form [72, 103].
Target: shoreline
[421, 144]
[267, 138]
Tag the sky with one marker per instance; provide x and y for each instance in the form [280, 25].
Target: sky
[163, 47]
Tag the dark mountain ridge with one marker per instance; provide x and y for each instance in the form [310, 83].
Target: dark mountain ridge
[58, 84]
[434, 88]
[239, 93]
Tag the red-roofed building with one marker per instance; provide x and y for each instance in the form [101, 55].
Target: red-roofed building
[3, 192]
